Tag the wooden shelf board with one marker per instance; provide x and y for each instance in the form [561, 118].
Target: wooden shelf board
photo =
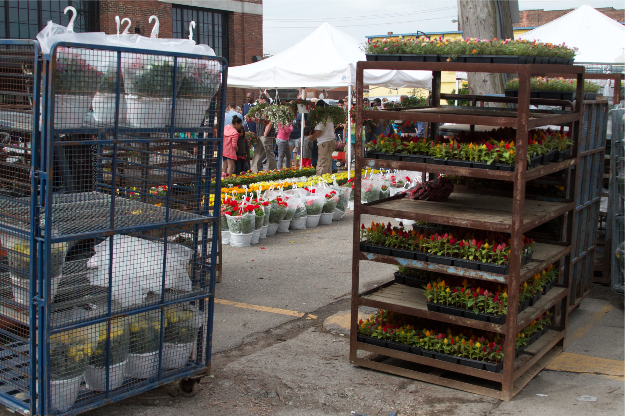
[431, 377]
[544, 255]
[410, 300]
[536, 351]
[476, 116]
[531, 372]
[456, 368]
[552, 297]
[469, 211]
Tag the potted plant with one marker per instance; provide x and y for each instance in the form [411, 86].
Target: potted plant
[241, 226]
[202, 79]
[18, 256]
[149, 85]
[278, 212]
[329, 205]
[145, 336]
[313, 206]
[118, 355]
[181, 332]
[105, 99]
[69, 356]
[74, 81]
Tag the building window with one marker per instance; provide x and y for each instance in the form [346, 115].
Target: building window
[211, 27]
[24, 19]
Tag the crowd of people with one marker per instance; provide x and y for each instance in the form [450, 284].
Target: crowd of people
[319, 141]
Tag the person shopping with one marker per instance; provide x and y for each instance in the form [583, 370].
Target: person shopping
[264, 144]
[243, 151]
[324, 135]
[231, 138]
[282, 140]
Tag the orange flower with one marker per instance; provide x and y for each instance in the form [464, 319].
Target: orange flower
[474, 51]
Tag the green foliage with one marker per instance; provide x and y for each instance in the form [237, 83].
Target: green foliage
[321, 115]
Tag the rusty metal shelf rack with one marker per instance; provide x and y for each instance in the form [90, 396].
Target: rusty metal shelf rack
[514, 215]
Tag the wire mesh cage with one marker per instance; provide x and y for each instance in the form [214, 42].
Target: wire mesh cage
[109, 231]
[617, 197]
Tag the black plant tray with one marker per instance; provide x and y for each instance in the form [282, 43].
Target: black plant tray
[410, 280]
[483, 59]
[561, 156]
[481, 365]
[439, 161]
[549, 95]
[454, 311]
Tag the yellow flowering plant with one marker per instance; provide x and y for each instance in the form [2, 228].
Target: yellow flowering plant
[70, 352]
[120, 342]
[145, 332]
[183, 322]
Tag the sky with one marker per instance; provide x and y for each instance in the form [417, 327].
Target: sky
[286, 22]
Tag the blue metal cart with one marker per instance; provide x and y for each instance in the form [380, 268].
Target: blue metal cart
[110, 171]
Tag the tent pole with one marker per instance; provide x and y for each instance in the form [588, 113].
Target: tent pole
[349, 131]
[301, 145]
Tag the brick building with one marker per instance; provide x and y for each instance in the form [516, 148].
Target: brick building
[233, 28]
[534, 18]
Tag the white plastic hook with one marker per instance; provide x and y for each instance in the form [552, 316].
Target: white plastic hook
[125, 19]
[154, 34]
[70, 25]
[117, 24]
[191, 27]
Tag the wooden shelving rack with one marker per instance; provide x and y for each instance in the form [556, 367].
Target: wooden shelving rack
[514, 215]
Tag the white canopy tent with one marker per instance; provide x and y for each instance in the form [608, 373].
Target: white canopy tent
[324, 59]
[599, 38]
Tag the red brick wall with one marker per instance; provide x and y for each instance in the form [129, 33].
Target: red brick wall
[138, 12]
[532, 18]
[246, 40]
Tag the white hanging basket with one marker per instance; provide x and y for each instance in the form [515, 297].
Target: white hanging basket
[240, 240]
[326, 218]
[312, 220]
[284, 225]
[142, 365]
[104, 109]
[298, 223]
[70, 111]
[272, 228]
[190, 112]
[96, 377]
[144, 112]
[176, 355]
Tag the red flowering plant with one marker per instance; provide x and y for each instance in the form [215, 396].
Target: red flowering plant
[331, 199]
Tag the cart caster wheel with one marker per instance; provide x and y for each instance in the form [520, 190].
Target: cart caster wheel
[188, 387]
[339, 164]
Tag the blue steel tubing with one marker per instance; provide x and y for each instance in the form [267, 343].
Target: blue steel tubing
[216, 211]
[167, 203]
[132, 312]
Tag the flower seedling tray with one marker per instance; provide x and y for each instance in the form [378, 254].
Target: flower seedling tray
[410, 280]
[454, 359]
[562, 155]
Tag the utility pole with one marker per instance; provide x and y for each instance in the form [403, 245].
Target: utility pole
[485, 19]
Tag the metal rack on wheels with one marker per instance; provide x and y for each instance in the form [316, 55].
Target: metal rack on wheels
[108, 222]
[616, 218]
[513, 214]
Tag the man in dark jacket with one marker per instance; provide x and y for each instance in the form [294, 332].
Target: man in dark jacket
[249, 102]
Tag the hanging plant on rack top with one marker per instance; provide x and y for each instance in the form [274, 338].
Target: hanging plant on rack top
[296, 103]
[257, 113]
[320, 115]
[277, 114]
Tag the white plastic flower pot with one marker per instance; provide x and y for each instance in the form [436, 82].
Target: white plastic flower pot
[176, 355]
[256, 236]
[70, 111]
[21, 288]
[142, 365]
[263, 231]
[312, 220]
[104, 108]
[350, 205]
[190, 112]
[298, 223]
[338, 214]
[326, 218]
[272, 228]
[241, 240]
[284, 225]
[225, 237]
[96, 377]
[144, 112]
[63, 393]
